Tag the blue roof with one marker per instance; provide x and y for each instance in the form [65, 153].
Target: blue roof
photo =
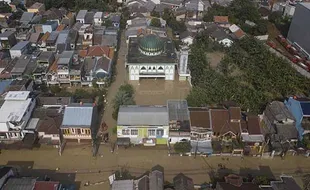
[305, 106]
[78, 115]
[4, 84]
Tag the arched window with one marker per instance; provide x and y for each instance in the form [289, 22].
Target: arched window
[143, 68]
[160, 68]
[150, 68]
[154, 68]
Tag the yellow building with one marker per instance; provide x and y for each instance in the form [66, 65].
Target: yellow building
[37, 7]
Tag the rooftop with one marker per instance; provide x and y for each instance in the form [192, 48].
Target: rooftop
[168, 54]
[21, 65]
[306, 5]
[78, 115]
[81, 14]
[36, 5]
[54, 100]
[46, 185]
[143, 115]
[200, 117]
[221, 124]
[24, 183]
[17, 95]
[123, 185]
[220, 19]
[14, 110]
[20, 45]
[6, 34]
[178, 112]
[49, 120]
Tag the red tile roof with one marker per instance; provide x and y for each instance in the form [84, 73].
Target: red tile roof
[98, 51]
[239, 34]
[221, 124]
[254, 125]
[199, 117]
[220, 19]
[235, 113]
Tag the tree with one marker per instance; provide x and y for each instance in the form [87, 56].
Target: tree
[182, 147]
[155, 14]
[124, 96]
[55, 89]
[155, 22]
[261, 180]
[4, 7]
[107, 23]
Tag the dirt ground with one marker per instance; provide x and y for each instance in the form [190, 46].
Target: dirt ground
[215, 58]
[157, 92]
[77, 163]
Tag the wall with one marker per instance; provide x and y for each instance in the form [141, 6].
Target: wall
[299, 31]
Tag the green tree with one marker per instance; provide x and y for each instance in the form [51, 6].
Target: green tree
[4, 7]
[261, 180]
[124, 96]
[55, 89]
[155, 22]
[182, 147]
[155, 14]
[107, 23]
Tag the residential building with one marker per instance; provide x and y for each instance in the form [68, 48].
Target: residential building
[21, 85]
[42, 43]
[15, 114]
[221, 21]
[49, 26]
[147, 125]
[81, 16]
[285, 182]
[54, 102]
[237, 32]
[115, 19]
[300, 109]
[299, 28]
[26, 18]
[79, 121]
[201, 132]
[87, 37]
[289, 10]
[89, 18]
[20, 68]
[51, 41]
[68, 19]
[44, 61]
[36, 7]
[151, 56]
[27, 183]
[252, 135]
[187, 38]
[19, 49]
[221, 37]
[233, 181]
[34, 38]
[197, 6]
[183, 70]
[179, 121]
[7, 39]
[55, 14]
[64, 62]
[98, 18]
[5, 173]
[49, 121]
[171, 4]
[123, 184]
[182, 182]
[62, 42]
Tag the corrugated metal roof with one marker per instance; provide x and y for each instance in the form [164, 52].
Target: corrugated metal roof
[143, 115]
[25, 183]
[80, 115]
[32, 124]
[123, 185]
[178, 110]
[20, 45]
[81, 14]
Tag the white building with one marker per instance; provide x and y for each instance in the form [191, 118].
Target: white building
[19, 49]
[184, 72]
[151, 56]
[81, 16]
[15, 114]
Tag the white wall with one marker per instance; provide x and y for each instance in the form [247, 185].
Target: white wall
[188, 41]
[178, 139]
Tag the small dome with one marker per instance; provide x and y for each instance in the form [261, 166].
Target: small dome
[151, 45]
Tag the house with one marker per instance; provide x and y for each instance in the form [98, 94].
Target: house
[172, 4]
[34, 38]
[55, 14]
[226, 122]
[98, 18]
[36, 7]
[182, 182]
[180, 14]
[64, 62]
[235, 182]
[26, 18]
[42, 42]
[252, 135]
[44, 60]
[7, 39]
[109, 41]
[300, 109]
[79, 121]
[280, 121]
[221, 21]
[264, 12]
[80, 17]
[115, 19]
[98, 51]
[89, 17]
[15, 114]
[123, 185]
[87, 37]
[6, 67]
[20, 67]
[54, 102]
[5, 173]
[98, 34]
[221, 37]
[72, 38]
[68, 19]
[19, 49]
[49, 26]
[48, 185]
[237, 32]
[21, 85]
[111, 31]
[62, 42]
[48, 126]
[187, 38]
[51, 41]
[27, 183]
[147, 125]
[179, 121]
[285, 182]
[197, 5]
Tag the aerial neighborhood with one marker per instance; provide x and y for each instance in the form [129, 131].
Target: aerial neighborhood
[154, 94]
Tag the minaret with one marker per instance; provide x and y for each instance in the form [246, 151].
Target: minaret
[183, 60]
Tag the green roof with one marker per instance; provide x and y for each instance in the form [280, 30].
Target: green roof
[151, 43]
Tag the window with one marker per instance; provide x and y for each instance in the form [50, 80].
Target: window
[134, 132]
[159, 132]
[151, 132]
[160, 68]
[87, 131]
[125, 132]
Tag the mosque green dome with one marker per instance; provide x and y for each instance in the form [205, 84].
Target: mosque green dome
[151, 44]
